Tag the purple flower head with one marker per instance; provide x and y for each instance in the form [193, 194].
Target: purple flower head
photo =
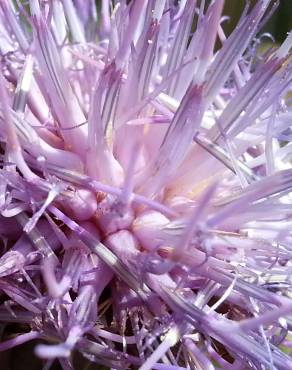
[145, 185]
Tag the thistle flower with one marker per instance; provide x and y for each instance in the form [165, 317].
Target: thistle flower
[145, 191]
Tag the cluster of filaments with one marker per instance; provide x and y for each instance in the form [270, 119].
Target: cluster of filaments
[145, 184]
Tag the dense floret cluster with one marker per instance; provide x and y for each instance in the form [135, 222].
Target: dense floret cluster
[145, 185]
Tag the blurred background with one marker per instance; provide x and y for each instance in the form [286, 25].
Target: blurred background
[279, 24]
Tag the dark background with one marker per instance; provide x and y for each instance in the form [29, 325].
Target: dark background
[279, 24]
